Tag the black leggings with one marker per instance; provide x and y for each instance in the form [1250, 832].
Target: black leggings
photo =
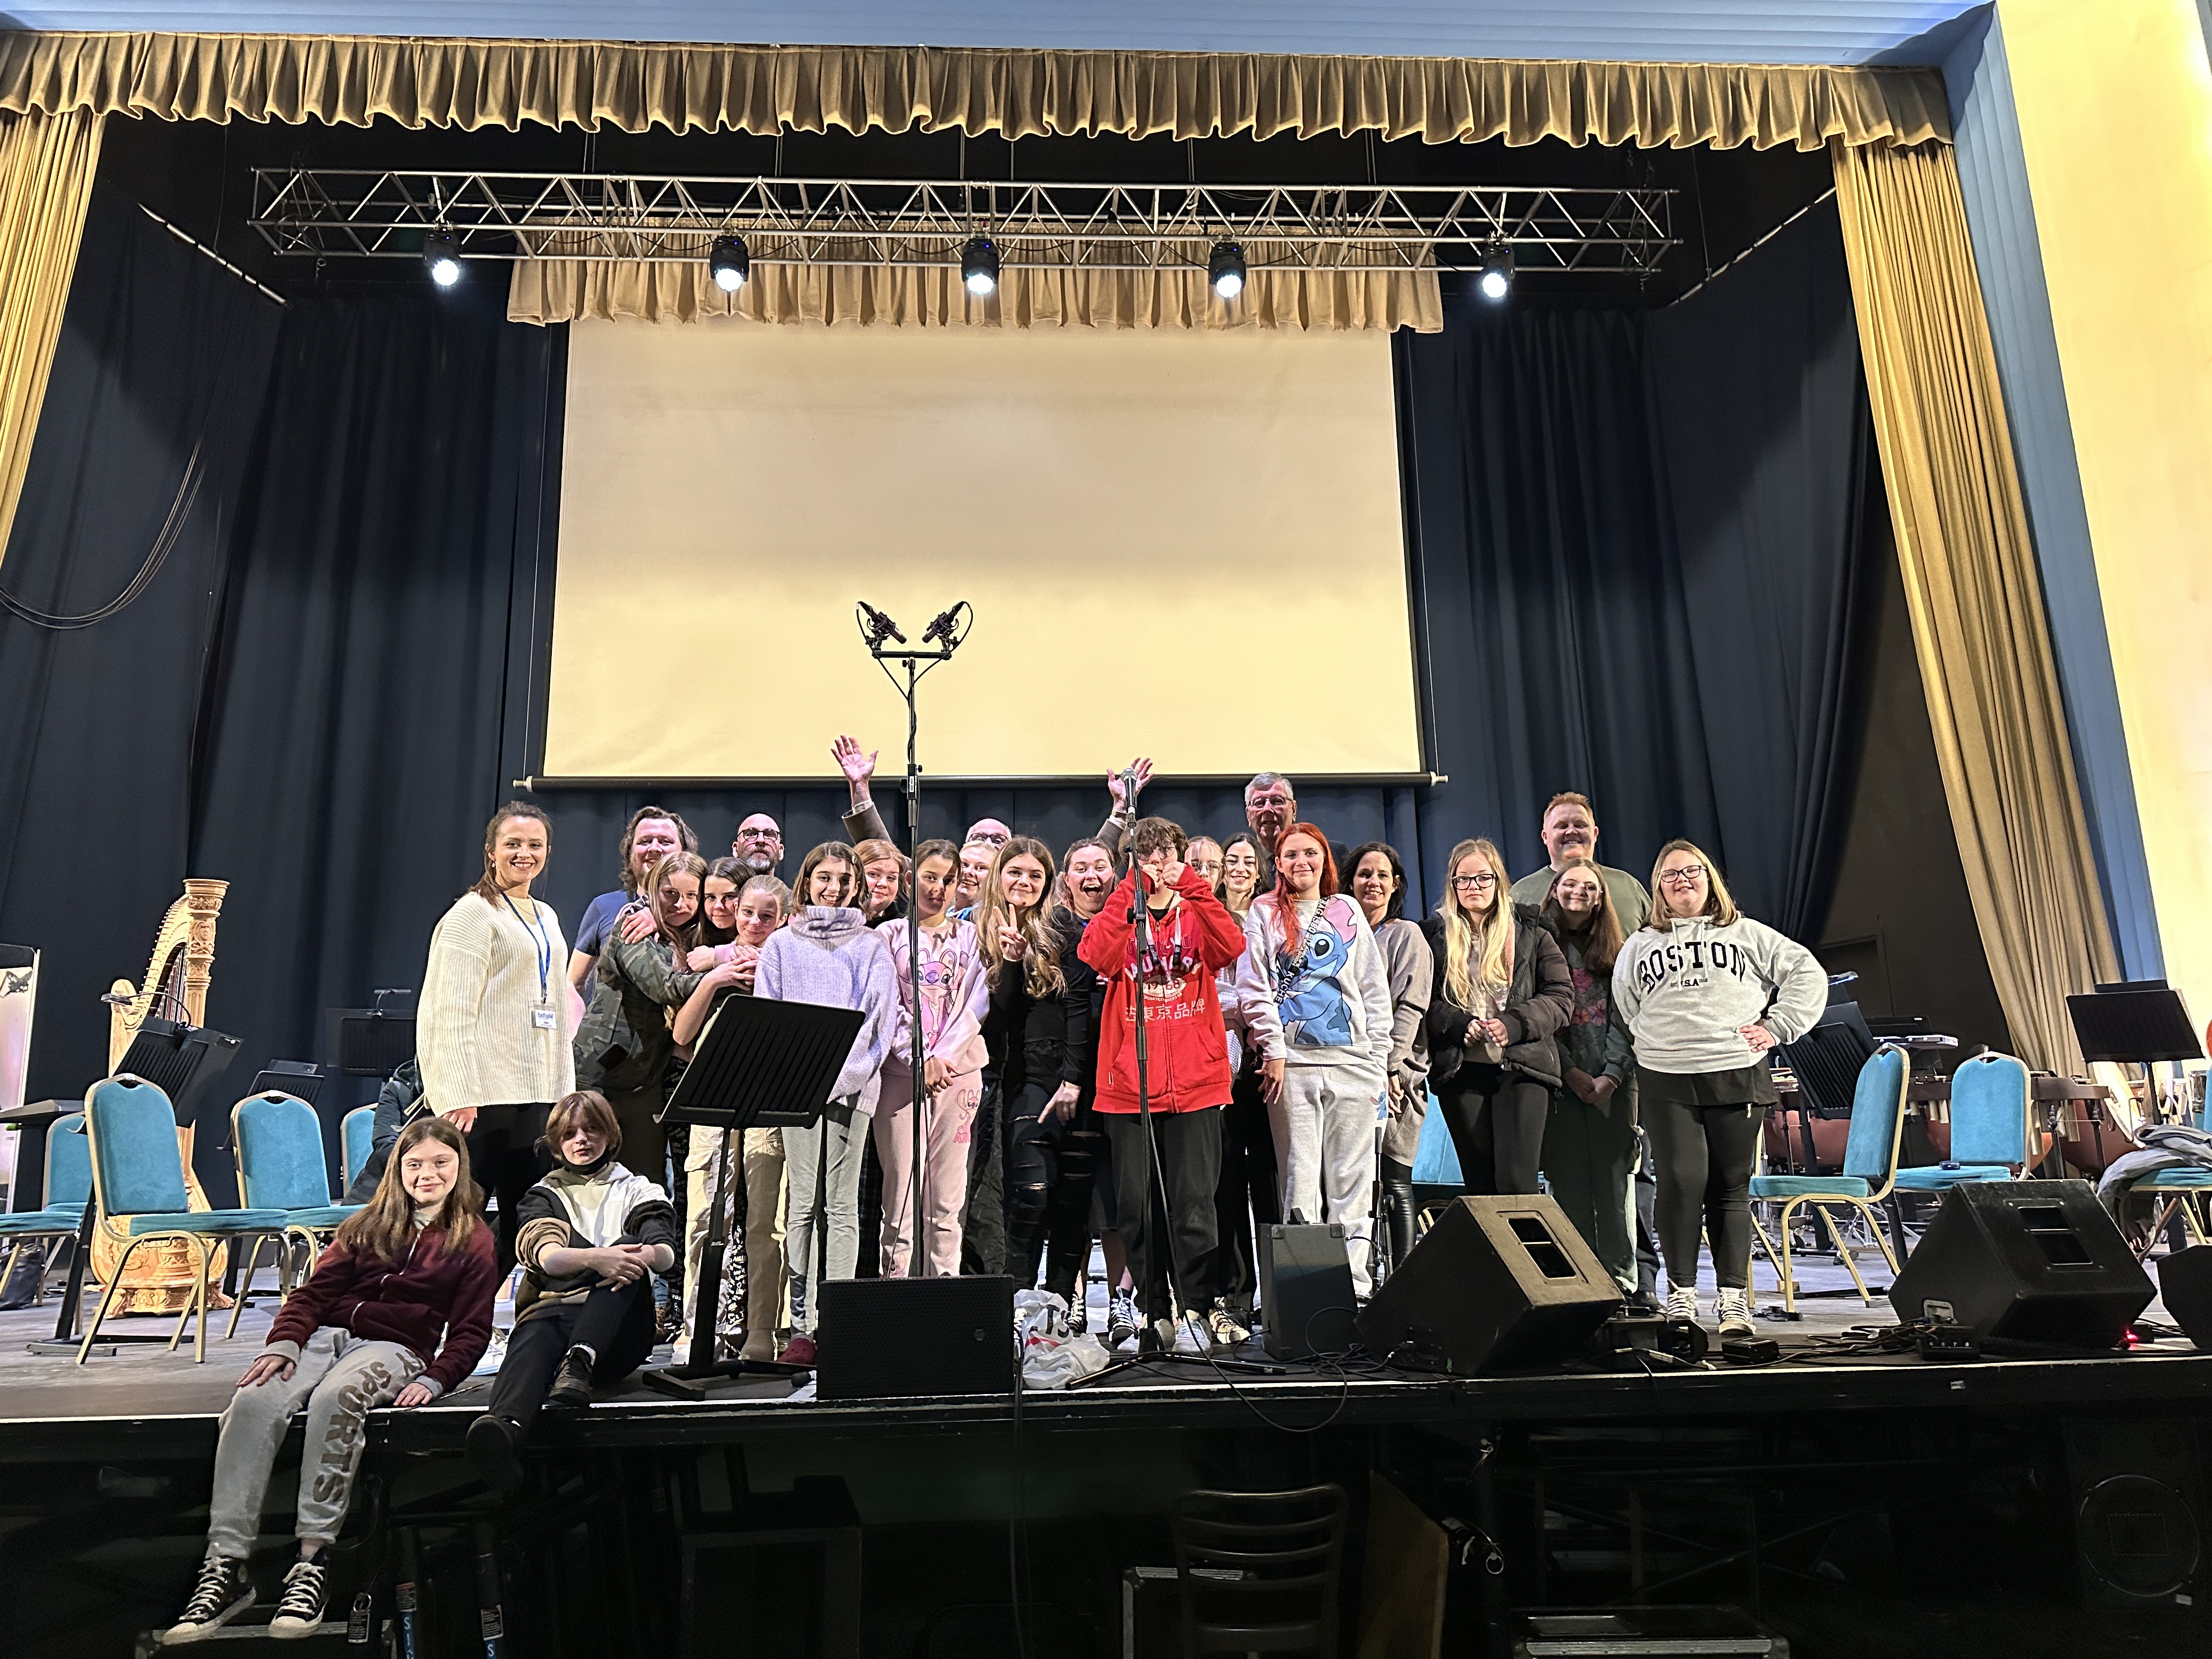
[615, 1325]
[1497, 1118]
[1067, 1211]
[504, 1160]
[1398, 1208]
[1249, 1195]
[1703, 1157]
[1032, 1148]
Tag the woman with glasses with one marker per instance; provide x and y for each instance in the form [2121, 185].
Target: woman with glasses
[1500, 994]
[1707, 994]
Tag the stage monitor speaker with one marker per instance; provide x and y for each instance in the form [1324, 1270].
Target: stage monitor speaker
[904, 1339]
[2024, 1261]
[1305, 1290]
[2139, 1513]
[2184, 1284]
[1494, 1284]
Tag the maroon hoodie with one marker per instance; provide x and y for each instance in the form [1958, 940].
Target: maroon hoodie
[433, 1289]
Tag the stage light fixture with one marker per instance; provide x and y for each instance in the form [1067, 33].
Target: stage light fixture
[1224, 269]
[1497, 279]
[731, 263]
[441, 257]
[979, 266]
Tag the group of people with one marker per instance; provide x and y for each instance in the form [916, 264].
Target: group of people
[1155, 1041]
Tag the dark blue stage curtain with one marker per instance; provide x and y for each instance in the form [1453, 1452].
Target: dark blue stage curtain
[1761, 414]
[103, 728]
[1640, 540]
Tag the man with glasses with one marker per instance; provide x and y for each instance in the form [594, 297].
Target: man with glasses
[1570, 832]
[1271, 806]
[759, 844]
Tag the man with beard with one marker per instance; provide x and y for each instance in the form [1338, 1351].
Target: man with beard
[758, 844]
[1570, 832]
[653, 834]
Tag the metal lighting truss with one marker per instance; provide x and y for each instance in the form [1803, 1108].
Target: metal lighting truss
[344, 214]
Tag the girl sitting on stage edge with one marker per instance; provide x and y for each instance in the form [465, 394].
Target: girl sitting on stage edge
[362, 1332]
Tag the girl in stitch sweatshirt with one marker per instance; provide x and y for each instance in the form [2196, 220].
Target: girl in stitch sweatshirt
[1707, 994]
[1316, 1002]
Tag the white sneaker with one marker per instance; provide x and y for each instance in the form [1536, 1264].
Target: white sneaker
[1191, 1335]
[1733, 1310]
[1682, 1303]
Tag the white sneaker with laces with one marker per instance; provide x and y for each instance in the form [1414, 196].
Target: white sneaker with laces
[1190, 1333]
[1682, 1303]
[299, 1610]
[1733, 1310]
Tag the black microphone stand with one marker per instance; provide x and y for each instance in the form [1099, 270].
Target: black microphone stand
[878, 630]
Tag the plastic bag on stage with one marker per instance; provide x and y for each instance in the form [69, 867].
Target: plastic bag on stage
[1052, 1355]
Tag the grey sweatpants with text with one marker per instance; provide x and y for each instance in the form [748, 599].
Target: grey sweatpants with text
[341, 1377]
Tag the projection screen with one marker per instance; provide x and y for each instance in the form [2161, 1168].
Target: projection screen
[1179, 543]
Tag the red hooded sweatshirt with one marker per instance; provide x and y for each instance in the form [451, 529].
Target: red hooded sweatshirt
[412, 1302]
[1186, 1048]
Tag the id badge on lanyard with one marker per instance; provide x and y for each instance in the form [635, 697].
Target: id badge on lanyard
[542, 1018]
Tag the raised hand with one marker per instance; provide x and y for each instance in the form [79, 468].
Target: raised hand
[858, 767]
[1142, 766]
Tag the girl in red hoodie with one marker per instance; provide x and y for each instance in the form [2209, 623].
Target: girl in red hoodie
[397, 1312]
[1186, 1078]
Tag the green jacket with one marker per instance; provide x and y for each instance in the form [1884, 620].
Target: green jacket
[624, 1042]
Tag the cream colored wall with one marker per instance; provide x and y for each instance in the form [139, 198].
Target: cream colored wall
[2115, 105]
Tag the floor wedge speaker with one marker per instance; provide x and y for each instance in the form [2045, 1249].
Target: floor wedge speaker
[1495, 1283]
[2184, 1284]
[907, 1338]
[2024, 1261]
[1305, 1290]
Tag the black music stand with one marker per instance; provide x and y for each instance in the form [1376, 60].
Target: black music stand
[761, 1064]
[2135, 1022]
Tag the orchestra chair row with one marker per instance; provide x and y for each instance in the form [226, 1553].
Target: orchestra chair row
[139, 1198]
[277, 1141]
[67, 1190]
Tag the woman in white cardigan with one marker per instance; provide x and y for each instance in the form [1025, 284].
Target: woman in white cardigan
[492, 1024]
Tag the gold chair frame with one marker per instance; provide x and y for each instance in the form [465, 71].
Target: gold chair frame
[1864, 1206]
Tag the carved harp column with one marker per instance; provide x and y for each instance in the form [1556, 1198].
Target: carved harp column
[175, 988]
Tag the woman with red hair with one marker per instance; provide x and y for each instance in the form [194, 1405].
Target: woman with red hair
[1316, 1000]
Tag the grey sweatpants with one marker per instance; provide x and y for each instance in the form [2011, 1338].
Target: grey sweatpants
[342, 1377]
[1324, 1127]
[842, 1139]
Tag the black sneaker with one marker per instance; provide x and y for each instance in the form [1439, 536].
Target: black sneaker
[491, 1453]
[573, 1386]
[299, 1610]
[222, 1593]
[1120, 1319]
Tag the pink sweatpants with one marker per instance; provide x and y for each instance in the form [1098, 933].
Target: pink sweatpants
[945, 1121]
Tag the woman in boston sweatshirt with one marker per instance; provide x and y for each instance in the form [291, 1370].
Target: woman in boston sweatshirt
[826, 954]
[1707, 994]
[1316, 998]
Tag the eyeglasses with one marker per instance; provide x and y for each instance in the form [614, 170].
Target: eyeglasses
[775, 836]
[1270, 801]
[1689, 878]
[1477, 883]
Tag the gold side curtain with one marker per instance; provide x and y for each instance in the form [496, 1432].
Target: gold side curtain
[1970, 580]
[350, 80]
[47, 166]
[1275, 296]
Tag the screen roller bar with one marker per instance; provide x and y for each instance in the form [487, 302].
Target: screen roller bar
[1317, 779]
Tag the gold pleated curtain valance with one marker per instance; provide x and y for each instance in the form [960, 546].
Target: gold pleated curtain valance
[352, 80]
[932, 296]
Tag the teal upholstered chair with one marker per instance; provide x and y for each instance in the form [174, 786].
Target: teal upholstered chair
[2187, 1190]
[1990, 1131]
[138, 1185]
[1869, 1171]
[356, 1140]
[68, 1189]
[277, 1140]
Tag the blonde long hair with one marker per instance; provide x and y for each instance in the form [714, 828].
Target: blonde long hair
[1719, 904]
[384, 1226]
[1041, 972]
[1473, 959]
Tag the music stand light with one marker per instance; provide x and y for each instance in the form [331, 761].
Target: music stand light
[761, 1064]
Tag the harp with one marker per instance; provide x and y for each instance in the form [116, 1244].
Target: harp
[174, 991]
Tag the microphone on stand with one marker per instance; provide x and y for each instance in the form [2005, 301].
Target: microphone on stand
[878, 626]
[939, 630]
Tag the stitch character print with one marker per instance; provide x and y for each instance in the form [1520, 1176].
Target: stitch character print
[1309, 991]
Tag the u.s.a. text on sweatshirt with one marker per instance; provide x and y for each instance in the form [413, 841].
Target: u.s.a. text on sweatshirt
[1686, 993]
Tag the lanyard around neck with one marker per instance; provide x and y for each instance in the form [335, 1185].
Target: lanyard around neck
[541, 939]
